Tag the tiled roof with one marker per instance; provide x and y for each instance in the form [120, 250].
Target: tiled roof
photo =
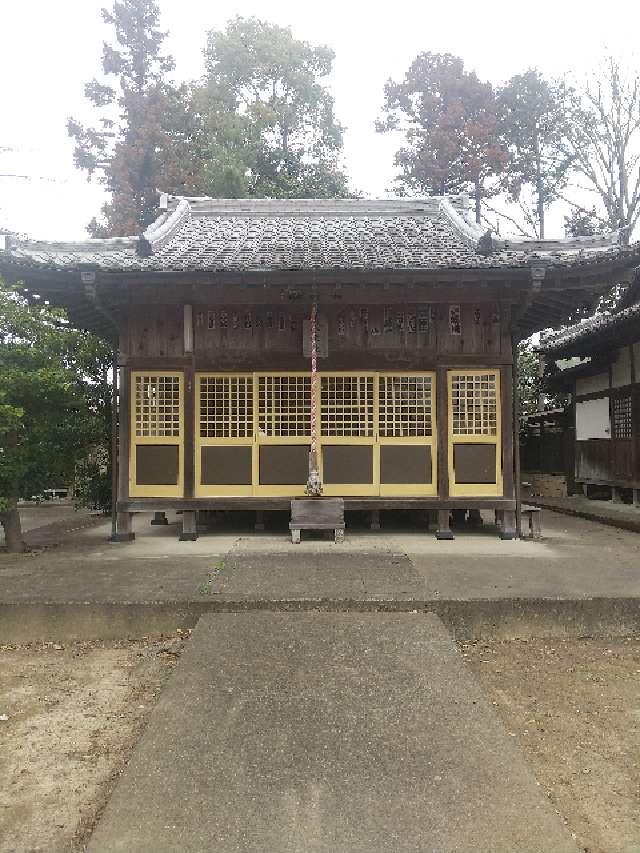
[589, 330]
[217, 235]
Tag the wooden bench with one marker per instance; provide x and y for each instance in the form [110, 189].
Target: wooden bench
[317, 514]
[532, 515]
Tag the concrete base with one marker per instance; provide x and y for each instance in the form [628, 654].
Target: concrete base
[444, 525]
[122, 537]
[445, 535]
[189, 532]
[358, 733]
[508, 528]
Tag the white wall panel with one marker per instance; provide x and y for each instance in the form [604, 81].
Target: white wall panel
[592, 419]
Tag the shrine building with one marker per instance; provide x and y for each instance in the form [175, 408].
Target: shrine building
[417, 315]
[597, 362]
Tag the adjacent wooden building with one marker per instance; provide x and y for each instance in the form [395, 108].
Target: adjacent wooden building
[598, 363]
[418, 312]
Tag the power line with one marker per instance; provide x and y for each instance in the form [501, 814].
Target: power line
[11, 176]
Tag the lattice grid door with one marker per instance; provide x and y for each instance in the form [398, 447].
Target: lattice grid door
[406, 434]
[157, 441]
[474, 433]
[284, 407]
[622, 420]
[349, 462]
[283, 433]
[225, 419]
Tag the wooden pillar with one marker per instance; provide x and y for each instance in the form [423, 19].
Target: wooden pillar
[114, 443]
[508, 529]
[585, 490]
[636, 497]
[124, 525]
[510, 459]
[616, 497]
[259, 522]
[443, 530]
[124, 520]
[375, 519]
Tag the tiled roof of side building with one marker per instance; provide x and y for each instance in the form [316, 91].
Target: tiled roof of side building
[590, 330]
[218, 235]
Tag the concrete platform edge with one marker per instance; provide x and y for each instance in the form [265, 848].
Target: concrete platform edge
[475, 619]
[621, 523]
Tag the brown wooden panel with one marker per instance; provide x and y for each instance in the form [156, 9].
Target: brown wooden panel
[622, 458]
[347, 463]
[593, 459]
[156, 331]
[225, 466]
[474, 463]
[157, 464]
[282, 465]
[405, 463]
[318, 513]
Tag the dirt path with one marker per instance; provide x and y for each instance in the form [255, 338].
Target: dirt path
[73, 715]
[574, 707]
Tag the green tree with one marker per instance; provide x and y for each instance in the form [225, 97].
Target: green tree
[534, 124]
[267, 122]
[529, 378]
[139, 141]
[450, 123]
[54, 399]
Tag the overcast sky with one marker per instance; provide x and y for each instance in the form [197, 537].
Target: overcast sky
[48, 50]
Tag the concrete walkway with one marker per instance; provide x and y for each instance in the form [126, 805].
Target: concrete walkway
[576, 559]
[614, 514]
[48, 524]
[326, 733]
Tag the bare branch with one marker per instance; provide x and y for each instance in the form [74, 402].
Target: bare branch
[502, 215]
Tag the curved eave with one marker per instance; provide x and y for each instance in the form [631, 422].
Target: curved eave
[563, 287]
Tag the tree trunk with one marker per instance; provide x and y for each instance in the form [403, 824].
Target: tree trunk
[10, 520]
[623, 180]
[478, 200]
[539, 185]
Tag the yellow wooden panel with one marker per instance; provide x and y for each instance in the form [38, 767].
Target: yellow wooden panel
[407, 416]
[157, 417]
[224, 417]
[366, 408]
[474, 418]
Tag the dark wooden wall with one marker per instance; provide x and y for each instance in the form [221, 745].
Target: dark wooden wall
[377, 336]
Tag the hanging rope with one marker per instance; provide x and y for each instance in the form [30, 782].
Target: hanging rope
[314, 485]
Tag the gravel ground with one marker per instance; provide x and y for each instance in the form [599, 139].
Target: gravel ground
[74, 713]
[69, 717]
[574, 707]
